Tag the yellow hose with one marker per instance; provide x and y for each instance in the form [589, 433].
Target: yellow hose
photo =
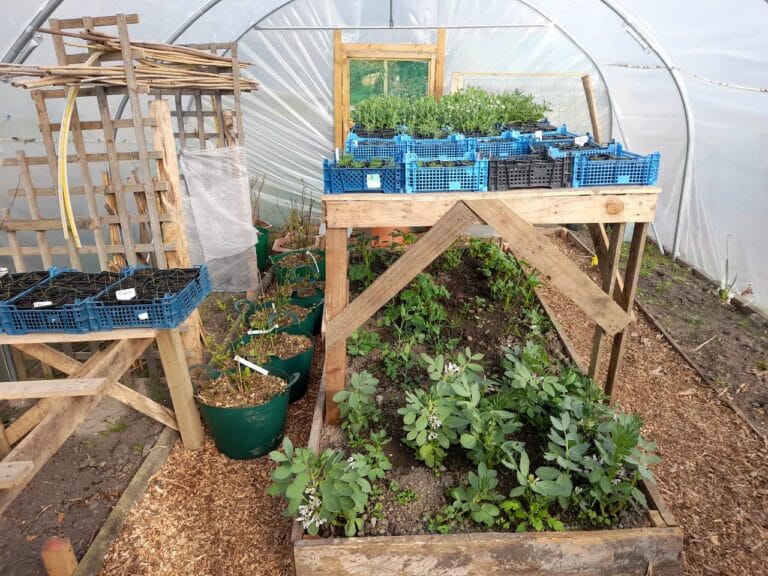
[65, 203]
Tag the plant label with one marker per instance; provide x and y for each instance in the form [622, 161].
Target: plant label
[127, 294]
[581, 140]
[143, 315]
[252, 366]
[373, 181]
[42, 304]
[539, 135]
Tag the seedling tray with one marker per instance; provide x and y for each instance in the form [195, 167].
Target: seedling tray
[440, 174]
[368, 148]
[150, 298]
[453, 146]
[57, 304]
[12, 285]
[620, 168]
[508, 144]
[529, 171]
[337, 179]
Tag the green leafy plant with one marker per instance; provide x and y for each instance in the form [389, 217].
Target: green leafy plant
[725, 292]
[367, 255]
[479, 498]
[357, 405]
[321, 490]
[417, 310]
[403, 496]
[362, 343]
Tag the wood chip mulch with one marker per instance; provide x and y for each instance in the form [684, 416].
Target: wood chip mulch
[714, 471]
[206, 515]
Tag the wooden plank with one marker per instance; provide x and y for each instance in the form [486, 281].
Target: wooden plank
[59, 388]
[55, 223]
[59, 250]
[74, 158]
[90, 196]
[52, 155]
[141, 403]
[200, 121]
[68, 23]
[338, 91]
[180, 113]
[141, 142]
[5, 444]
[600, 242]
[116, 179]
[96, 125]
[373, 51]
[16, 251]
[236, 93]
[537, 206]
[397, 276]
[530, 245]
[337, 298]
[630, 286]
[439, 79]
[609, 282]
[615, 552]
[586, 82]
[25, 423]
[34, 210]
[51, 337]
[16, 473]
[42, 442]
[180, 386]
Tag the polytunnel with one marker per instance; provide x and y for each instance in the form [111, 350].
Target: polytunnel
[683, 78]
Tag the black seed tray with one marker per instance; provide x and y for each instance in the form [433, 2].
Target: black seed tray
[529, 171]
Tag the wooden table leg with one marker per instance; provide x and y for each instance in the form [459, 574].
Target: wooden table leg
[630, 286]
[180, 386]
[336, 299]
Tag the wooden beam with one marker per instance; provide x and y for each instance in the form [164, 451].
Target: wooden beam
[51, 337]
[58, 557]
[25, 423]
[420, 50]
[336, 299]
[586, 82]
[630, 286]
[537, 206]
[397, 276]
[141, 403]
[58, 388]
[530, 245]
[96, 21]
[601, 243]
[611, 267]
[42, 442]
[13, 474]
[338, 90]
[626, 552]
[439, 78]
[5, 444]
[180, 386]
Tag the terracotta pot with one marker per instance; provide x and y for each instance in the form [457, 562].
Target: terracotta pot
[385, 238]
[280, 244]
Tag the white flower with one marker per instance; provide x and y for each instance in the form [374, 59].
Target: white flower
[432, 436]
[451, 368]
[434, 422]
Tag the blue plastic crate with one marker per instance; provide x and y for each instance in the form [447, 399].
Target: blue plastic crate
[619, 168]
[610, 148]
[71, 318]
[166, 312]
[445, 178]
[368, 148]
[338, 180]
[454, 146]
[507, 144]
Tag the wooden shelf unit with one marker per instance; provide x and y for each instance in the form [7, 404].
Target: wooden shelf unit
[513, 215]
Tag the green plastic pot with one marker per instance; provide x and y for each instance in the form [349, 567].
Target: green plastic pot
[300, 364]
[312, 300]
[311, 323]
[250, 431]
[262, 247]
[284, 275]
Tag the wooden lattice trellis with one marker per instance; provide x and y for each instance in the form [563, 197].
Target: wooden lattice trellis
[126, 195]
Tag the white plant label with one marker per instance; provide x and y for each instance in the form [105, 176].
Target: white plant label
[259, 332]
[42, 304]
[581, 140]
[127, 294]
[539, 135]
[373, 181]
[252, 366]
[143, 315]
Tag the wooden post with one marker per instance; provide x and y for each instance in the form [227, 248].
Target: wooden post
[439, 78]
[337, 297]
[170, 204]
[630, 286]
[609, 268]
[5, 445]
[338, 91]
[586, 82]
[180, 386]
[58, 557]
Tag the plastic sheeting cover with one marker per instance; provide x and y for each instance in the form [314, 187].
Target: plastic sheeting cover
[218, 216]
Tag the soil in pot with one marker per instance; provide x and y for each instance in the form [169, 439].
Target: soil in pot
[239, 388]
[265, 316]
